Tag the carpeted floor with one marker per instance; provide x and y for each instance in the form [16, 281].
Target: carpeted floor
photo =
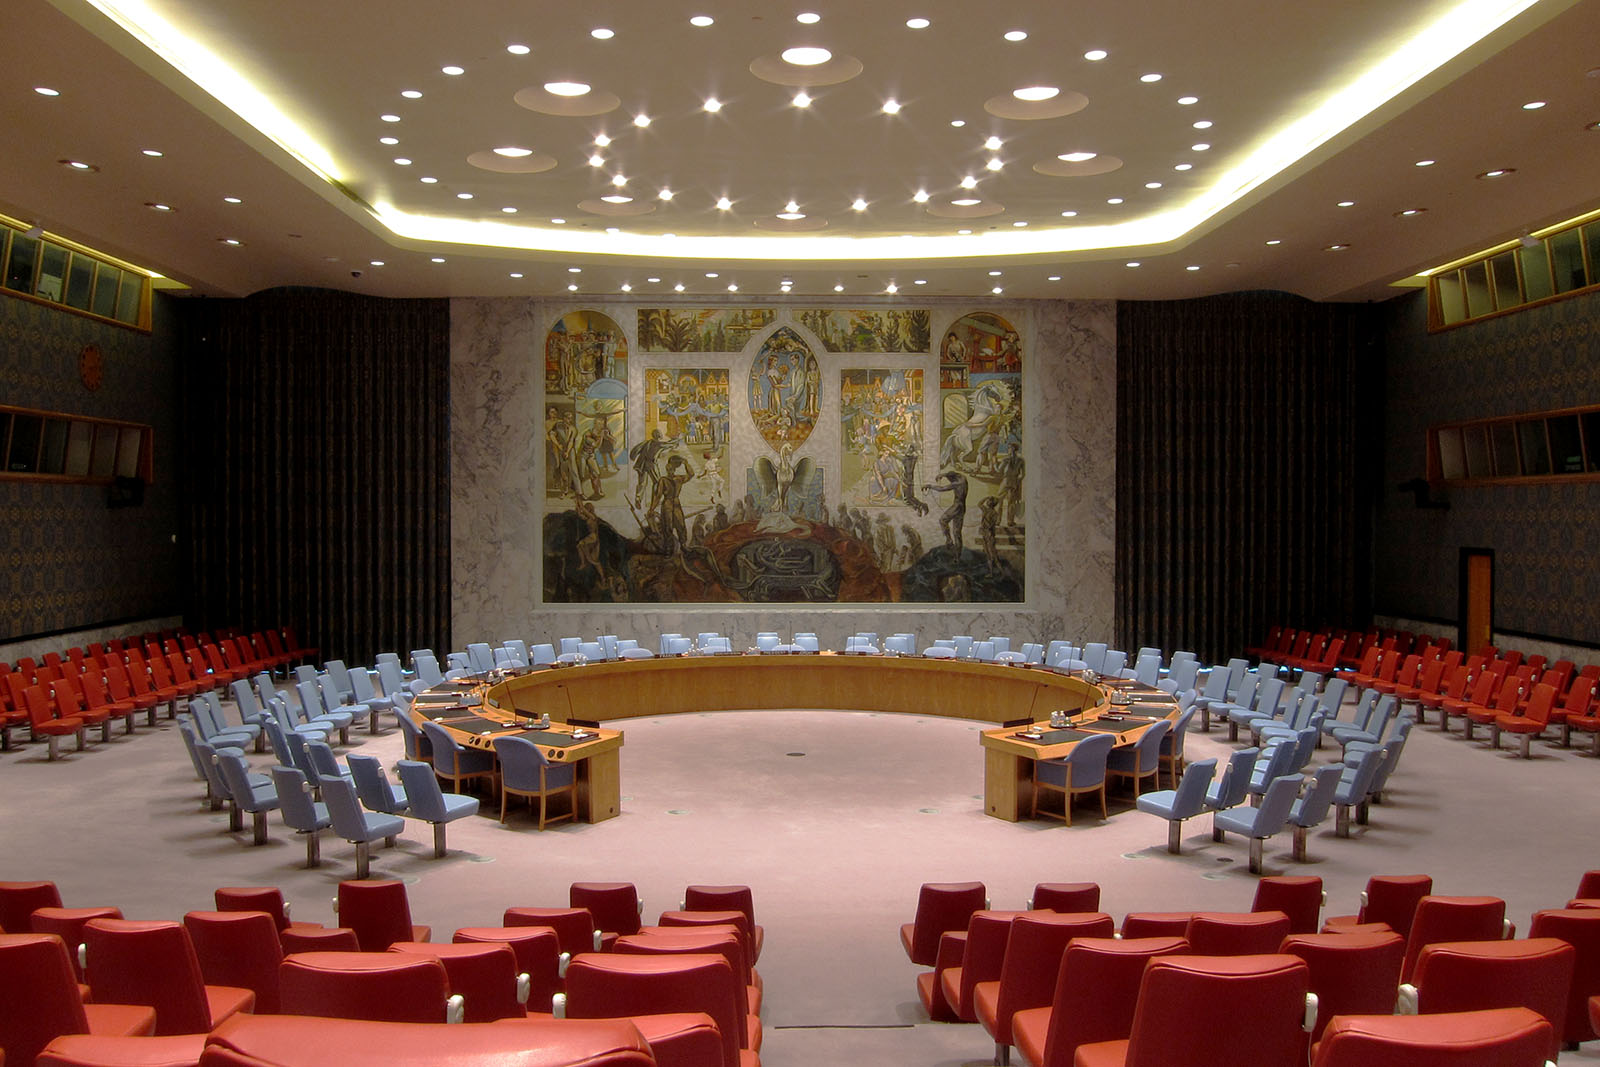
[833, 818]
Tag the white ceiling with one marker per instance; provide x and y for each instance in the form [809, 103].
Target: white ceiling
[1256, 66]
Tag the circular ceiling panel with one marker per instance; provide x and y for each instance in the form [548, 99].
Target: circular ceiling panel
[1061, 168]
[533, 163]
[809, 224]
[982, 209]
[1007, 106]
[600, 207]
[538, 98]
[840, 68]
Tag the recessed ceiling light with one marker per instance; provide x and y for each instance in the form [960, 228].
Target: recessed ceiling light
[966, 201]
[508, 211]
[969, 182]
[665, 194]
[613, 230]
[1069, 214]
[1192, 266]
[891, 107]
[1019, 223]
[1498, 172]
[791, 207]
[801, 99]
[1202, 146]
[600, 33]
[158, 207]
[428, 180]
[1035, 93]
[516, 274]
[601, 140]
[617, 198]
[858, 204]
[625, 287]
[513, 152]
[994, 274]
[733, 288]
[619, 180]
[566, 88]
[574, 270]
[958, 123]
[389, 140]
[1203, 124]
[917, 23]
[232, 200]
[808, 18]
[1152, 185]
[375, 262]
[45, 90]
[641, 120]
[234, 241]
[1336, 248]
[997, 290]
[1053, 278]
[1274, 241]
[891, 288]
[964, 233]
[1347, 203]
[920, 196]
[1077, 157]
[1183, 166]
[411, 94]
[712, 274]
[702, 21]
[436, 259]
[1533, 105]
[723, 203]
[453, 70]
[806, 56]
[838, 288]
[994, 163]
[1133, 263]
[78, 164]
[712, 104]
[1150, 78]
[390, 118]
[1186, 101]
[463, 196]
[1425, 162]
[653, 281]
[1409, 212]
[992, 144]
[920, 281]
[597, 160]
[558, 222]
[572, 288]
[518, 49]
[151, 152]
[1095, 55]
[1114, 200]
[1016, 35]
[401, 161]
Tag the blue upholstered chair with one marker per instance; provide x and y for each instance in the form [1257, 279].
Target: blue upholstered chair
[635, 652]
[1258, 698]
[807, 641]
[217, 790]
[1171, 755]
[1032, 652]
[766, 642]
[480, 657]
[1182, 675]
[390, 657]
[323, 765]
[1212, 696]
[1142, 759]
[311, 711]
[1377, 727]
[1355, 787]
[203, 715]
[418, 747]
[1231, 789]
[525, 772]
[454, 763]
[1094, 656]
[593, 651]
[939, 652]
[1276, 760]
[963, 646]
[610, 646]
[336, 670]
[1147, 669]
[367, 697]
[358, 827]
[394, 684]
[543, 653]
[1262, 822]
[186, 732]
[247, 792]
[299, 812]
[1360, 714]
[983, 650]
[1184, 802]
[377, 793]
[426, 665]
[518, 649]
[334, 705]
[1083, 770]
[1311, 808]
[432, 805]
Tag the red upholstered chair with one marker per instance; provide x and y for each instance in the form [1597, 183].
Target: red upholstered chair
[19, 900]
[538, 953]
[1535, 973]
[615, 907]
[982, 956]
[723, 941]
[240, 949]
[1452, 919]
[1506, 1037]
[1097, 986]
[1299, 897]
[1028, 971]
[728, 898]
[39, 999]
[681, 1039]
[1237, 933]
[942, 907]
[485, 975]
[1588, 885]
[295, 936]
[153, 963]
[615, 985]
[736, 919]
[378, 911]
[122, 691]
[258, 1041]
[96, 1050]
[1529, 724]
[1356, 974]
[1388, 898]
[573, 926]
[68, 924]
[1579, 928]
[1156, 923]
[1179, 998]
[43, 722]
[1456, 681]
[378, 986]
[1070, 897]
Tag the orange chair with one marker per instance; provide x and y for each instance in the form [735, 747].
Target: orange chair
[1071, 897]
[942, 907]
[1156, 923]
[1096, 989]
[1246, 933]
[378, 911]
[538, 953]
[612, 985]
[153, 963]
[1575, 700]
[1456, 681]
[723, 941]
[1452, 919]
[121, 689]
[104, 1050]
[376, 986]
[1179, 998]
[1354, 974]
[736, 919]
[1528, 725]
[615, 907]
[240, 949]
[573, 926]
[1472, 975]
[252, 1041]
[1507, 1037]
[40, 1000]
[982, 955]
[270, 900]
[1298, 896]
[1505, 702]
[728, 898]
[19, 900]
[97, 698]
[1028, 971]
[68, 924]
[67, 694]
[1580, 928]
[485, 975]
[1390, 899]
[42, 720]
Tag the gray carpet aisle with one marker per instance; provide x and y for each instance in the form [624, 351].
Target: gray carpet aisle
[833, 818]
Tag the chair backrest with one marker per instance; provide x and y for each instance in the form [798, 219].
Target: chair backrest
[1236, 933]
[1032, 960]
[614, 905]
[19, 900]
[1534, 973]
[573, 926]
[1180, 994]
[148, 962]
[1350, 973]
[417, 744]
[1491, 1038]
[1297, 896]
[1441, 918]
[372, 785]
[538, 953]
[240, 949]
[377, 910]
[1147, 669]
[380, 986]
[236, 773]
[1273, 814]
[480, 657]
[446, 751]
[721, 898]
[1190, 798]
[484, 975]
[1234, 785]
[1088, 759]
[295, 805]
[941, 908]
[40, 992]
[1065, 897]
[424, 798]
[1097, 987]
[612, 985]
[254, 898]
[344, 811]
[724, 940]
[520, 762]
[1580, 928]
[1310, 809]
[1393, 899]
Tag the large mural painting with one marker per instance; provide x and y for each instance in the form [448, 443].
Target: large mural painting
[732, 485]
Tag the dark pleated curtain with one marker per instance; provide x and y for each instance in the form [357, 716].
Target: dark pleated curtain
[317, 488]
[1247, 430]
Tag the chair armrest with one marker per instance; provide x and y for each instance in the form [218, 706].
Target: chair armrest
[558, 1005]
[524, 987]
[561, 964]
[455, 1009]
[1406, 1002]
[1309, 1022]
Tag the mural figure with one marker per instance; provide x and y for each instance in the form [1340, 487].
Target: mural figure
[781, 390]
[893, 330]
[956, 514]
[700, 330]
[880, 415]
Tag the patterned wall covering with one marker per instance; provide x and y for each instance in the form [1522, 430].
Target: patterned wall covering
[1546, 538]
[1065, 425]
[69, 561]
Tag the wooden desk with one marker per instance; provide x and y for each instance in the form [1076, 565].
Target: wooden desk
[598, 760]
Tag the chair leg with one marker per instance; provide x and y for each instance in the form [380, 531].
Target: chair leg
[438, 841]
[81, 736]
[1174, 836]
[314, 849]
[1494, 736]
[260, 820]
[1257, 846]
[1216, 831]
[235, 818]
[363, 860]
[1362, 811]
[1341, 820]
[1527, 743]
[1002, 1055]
[1205, 720]
[1300, 833]
[55, 747]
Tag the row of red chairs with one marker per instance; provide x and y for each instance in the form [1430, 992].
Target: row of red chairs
[1059, 976]
[1310, 649]
[689, 984]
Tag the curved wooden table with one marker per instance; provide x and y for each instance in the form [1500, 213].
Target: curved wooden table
[598, 692]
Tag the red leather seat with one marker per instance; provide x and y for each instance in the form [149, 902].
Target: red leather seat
[376, 986]
[1580, 928]
[613, 985]
[291, 1041]
[1156, 923]
[1452, 919]
[484, 975]
[736, 919]
[614, 906]
[1298, 897]
[1388, 898]
[1097, 986]
[40, 999]
[1354, 974]
[1530, 723]
[153, 963]
[240, 949]
[723, 940]
[1028, 971]
[982, 954]
[1179, 998]
[942, 907]
[1241, 933]
[1506, 1037]
[1535, 973]
[538, 954]
[95, 1050]
[270, 900]
[681, 1039]
[68, 924]
[728, 898]
[378, 911]
[1068, 897]
[19, 900]
[573, 926]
